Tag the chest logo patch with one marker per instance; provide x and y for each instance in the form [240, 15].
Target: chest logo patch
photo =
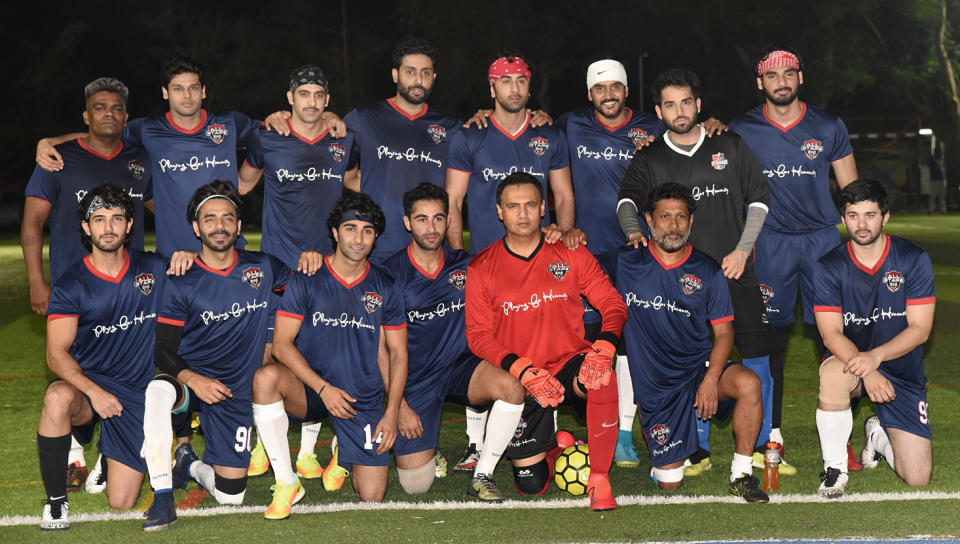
[539, 145]
[893, 280]
[718, 161]
[338, 151]
[559, 269]
[371, 301]
[144, 283]
[252, 276]
[437, 133]
[766, 292]
[217, 133]
[136, 169]
[812, 148]
[637, 134]
[660, 433]
[690, 284]
[458, 278]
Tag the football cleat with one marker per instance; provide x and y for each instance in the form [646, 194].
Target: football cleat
[260, 463]
[162, 513]
[308, 467]
[76, 476]
[183, 458]
[334, 475]
[870, 457]
[833, 483]
[853, 462]
[696, 469]
[626, 454]
[786, 469]
[284, 497]
[55, 515]
[441, 465]
[97, 479]
[483, 487]
[748, 487]
[600, 492]
[468, 461]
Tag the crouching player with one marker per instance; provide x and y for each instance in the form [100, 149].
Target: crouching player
[672, 291]
[524, 313]
[211, 334]
[100, 345]
[432, 279]
[328, 334]
[874, 308]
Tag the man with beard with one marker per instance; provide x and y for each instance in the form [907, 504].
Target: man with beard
[672, 290]
[724, 179]
[481, 158]
[211, 335]
[797, 145]
[874, 306]
[100, 346]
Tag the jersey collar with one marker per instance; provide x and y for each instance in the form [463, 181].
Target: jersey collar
[112, 279]
[803, 113]
[880, 261]
[326, 262]
[194, 130]
[304, 138]
[443, 260]
[203, 265]
[104, 157]
[686, 256]
[526, 125]
[426, 108]
[680, 150]
[522, 258]
[616, 128]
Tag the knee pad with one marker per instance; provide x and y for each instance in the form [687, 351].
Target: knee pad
[418, 480]
[229, 490]
[533, 479]
[667, 475]
[163, 393]
[835, 384]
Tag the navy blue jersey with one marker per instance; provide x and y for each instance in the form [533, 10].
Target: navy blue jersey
[181, 160]
[115, 318]
[796, 164]
[671, 309]
[599, 157]
[302, 180]
[340, 335]
[225, 315]
[86, 169]
[397, 152]
[490, 155]
[874, 300]
[437, 334]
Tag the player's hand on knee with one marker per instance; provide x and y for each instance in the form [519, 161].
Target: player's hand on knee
[278, 121]
[862, 363]
[707, 399]
[181, 262]
[637, 239]
[332, 122]
[337, 402]
[714, 126]
[597, 367]
[209, 390]
[408, 423]
[734, 263]
[48, 157]
[539, 118]
[105, 404]
[310, 262]
[386, 433]
[879, 388]
[539, 382]
[479, 119]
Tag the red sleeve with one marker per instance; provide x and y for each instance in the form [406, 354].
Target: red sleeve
[600, 292]
[481, 317]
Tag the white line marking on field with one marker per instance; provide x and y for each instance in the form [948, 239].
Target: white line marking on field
[623, 500]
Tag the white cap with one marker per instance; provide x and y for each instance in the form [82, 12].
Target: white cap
[606, 70]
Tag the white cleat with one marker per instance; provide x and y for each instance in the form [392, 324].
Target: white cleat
[870, 457]
[833, 483]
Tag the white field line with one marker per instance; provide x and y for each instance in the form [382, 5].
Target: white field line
[623, 500]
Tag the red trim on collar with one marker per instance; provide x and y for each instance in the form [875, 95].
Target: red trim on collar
[102, 156]
[671, 267]
[526, 125]
[443, 259]
[304, 138]
[426, 107]
[880, 261]
[205, 266]
[791, 125]
[194, 130]
[618, 127]
[116, 279]
[333, 273]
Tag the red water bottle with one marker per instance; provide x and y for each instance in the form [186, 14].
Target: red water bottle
[771, 471]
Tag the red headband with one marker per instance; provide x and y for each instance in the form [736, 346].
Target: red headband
[505, 66]
[778, 58]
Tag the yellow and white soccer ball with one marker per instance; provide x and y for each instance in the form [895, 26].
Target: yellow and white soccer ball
[572, 469]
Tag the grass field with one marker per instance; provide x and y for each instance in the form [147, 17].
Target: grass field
[699, 511]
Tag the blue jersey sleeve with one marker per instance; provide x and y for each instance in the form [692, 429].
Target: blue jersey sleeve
[353, 154]
[296, 297]
[460, 156]
[719, 305]
[281, 274]
[173, 305]
[42, 185]
[255, 151]
[133, 133]
[920, 287]
[841, 141]
[245, 127]
[561, 155]
[63, 301]
[827, 286]
[355, 124]
[394, 314]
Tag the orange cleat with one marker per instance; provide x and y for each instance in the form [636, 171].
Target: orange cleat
[601, 495]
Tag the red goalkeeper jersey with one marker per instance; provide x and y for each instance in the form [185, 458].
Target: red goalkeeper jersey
[531, 307]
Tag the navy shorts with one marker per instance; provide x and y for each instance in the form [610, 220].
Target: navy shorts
[227, 428]
[908, 412]
[355, 437]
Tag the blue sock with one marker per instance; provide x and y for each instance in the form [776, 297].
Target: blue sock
[703, 434]
[761, 365]
[625, 437]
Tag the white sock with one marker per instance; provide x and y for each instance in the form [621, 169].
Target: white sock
[309, 432]
[272, 424]
[742, 464]
[204, 475]
[476, 421]
[628, 408]
[775, 436]
[158, 433]
[881, 443]
[76, 452]
[501, 424]
[834, 429]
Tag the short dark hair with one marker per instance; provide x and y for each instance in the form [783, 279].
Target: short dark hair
[863, 190]
[105, 84]
[363, 204]
[519, 178]
[670, 190]
[413, 46]
[218, 188]
[182, 65]
[675, 77]
[770, 49]
[425, 191]
[111, 197]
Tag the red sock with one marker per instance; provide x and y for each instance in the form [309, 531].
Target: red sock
[602, 425]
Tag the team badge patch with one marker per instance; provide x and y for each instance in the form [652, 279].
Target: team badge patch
[812, 148]
[893, 280]
[660, 433]
[337, 151]
[252, 276]
[136, 169]
[718, 161]
[690, 284]
[371, 301]
[559, 269]
[437, 133]
[144, 283]
[637, 134]
[217, 133]
[539, 145]
[458, 278]
[522, 426]
[766, 292]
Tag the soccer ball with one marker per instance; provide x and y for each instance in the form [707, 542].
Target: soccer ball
[572, 469]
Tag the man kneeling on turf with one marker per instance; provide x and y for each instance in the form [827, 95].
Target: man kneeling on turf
[672, 290]
[874, 307]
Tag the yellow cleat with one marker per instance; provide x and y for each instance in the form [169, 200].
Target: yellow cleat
[284, 497]
[334, 475]
[696, 469]
[259, 462]
[308, 467]
[786, 469]
[441, 462]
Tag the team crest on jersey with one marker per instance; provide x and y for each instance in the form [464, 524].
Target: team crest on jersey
[660, 433]
[539, 145]
[812, 148]
[458, 278]
[718, 161]
[521, 426]
[690, 284]
[144, 283]
[136, 168]
[559, 269]
[437, 133]
[337, 151]
[766, 292]
[637, 134]
[217, 133]
[252, 276]
[371, 301]
[893, 280]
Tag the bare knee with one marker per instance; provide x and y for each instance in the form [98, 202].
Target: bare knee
[511, 390]
[57, 402]
[748, 387]
[121, 501]
[266, 383]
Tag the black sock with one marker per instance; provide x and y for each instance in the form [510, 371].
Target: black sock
[699, 455]
[104, 463]
[54, 452]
